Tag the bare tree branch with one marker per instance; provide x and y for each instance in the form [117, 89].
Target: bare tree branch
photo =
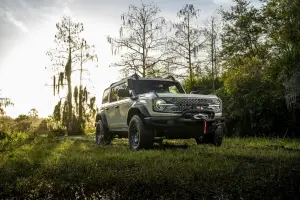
[141, 34]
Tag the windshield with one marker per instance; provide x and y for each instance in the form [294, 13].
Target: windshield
[145, 86]
[203, 90]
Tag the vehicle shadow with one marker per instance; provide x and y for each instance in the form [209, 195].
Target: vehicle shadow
[166, 146]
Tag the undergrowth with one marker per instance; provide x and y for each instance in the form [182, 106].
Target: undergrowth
[76, 167]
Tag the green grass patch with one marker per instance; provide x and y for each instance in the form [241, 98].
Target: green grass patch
[179, 169]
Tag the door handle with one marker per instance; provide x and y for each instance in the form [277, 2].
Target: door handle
[116, 106]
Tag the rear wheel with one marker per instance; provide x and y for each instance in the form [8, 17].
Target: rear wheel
[102, 135]
[140, 137]
[217, 137]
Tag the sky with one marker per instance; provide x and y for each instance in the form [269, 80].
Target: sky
[27, 30]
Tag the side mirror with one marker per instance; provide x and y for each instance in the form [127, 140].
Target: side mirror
[123, 93]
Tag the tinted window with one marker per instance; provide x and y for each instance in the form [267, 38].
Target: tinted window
[105, 96]
[114, 92]
[145, 86]
[174, 89]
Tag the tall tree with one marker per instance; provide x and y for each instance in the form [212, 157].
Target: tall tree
[142, 35]
[283, 22]
[249, 94]
[64, 56]
[87, 54]
[243, 33]
[212, 37]
[187, 42]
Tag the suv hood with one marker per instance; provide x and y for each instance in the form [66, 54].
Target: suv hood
[210, 96]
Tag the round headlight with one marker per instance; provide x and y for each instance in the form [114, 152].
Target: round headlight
[159, 104]
[216, 101]
[215, 105]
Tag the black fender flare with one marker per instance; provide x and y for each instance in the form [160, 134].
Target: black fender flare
[102, 117]
[137, 109]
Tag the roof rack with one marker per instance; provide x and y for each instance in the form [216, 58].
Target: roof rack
[170, 77]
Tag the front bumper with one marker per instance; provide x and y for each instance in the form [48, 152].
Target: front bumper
[179, 127]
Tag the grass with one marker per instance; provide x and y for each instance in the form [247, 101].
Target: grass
[75, 167]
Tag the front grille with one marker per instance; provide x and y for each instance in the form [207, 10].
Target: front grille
[190, 101]
[183, 104]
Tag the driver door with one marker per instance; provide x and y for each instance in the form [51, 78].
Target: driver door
[119, 108]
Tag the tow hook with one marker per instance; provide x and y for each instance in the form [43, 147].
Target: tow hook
[204, 117]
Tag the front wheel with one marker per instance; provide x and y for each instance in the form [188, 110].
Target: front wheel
[102, 135]
[140, 137]
[214, 138]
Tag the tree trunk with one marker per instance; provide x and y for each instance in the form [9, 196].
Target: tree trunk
[212, 54]
[80, 96]
[68, 73]
[190, 54]
[144, 62]
[215, 57]
[80, 110]
[144, 53]
[69, 128]
[144, 72]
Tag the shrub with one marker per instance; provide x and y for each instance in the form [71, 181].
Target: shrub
[54, 128]
[202, 85]
[253, 104]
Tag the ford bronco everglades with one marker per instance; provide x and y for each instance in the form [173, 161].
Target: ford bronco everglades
[147, 110]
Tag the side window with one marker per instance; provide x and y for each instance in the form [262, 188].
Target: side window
[173, 89]
[114, 92]
[105, 96]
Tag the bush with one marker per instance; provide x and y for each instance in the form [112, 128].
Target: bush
[253, 104]
[10, 140]
[37, 126]
[254, 101]
[30, 126]
[54, 128]
[23, 126]
[202, 85]
[6, 124]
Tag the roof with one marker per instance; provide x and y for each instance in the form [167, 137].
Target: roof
[156, 79]
[169, 78]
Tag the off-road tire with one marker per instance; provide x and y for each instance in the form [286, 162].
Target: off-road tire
[140, 137]
[217, 137]
[103, 136]
[214, 138]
